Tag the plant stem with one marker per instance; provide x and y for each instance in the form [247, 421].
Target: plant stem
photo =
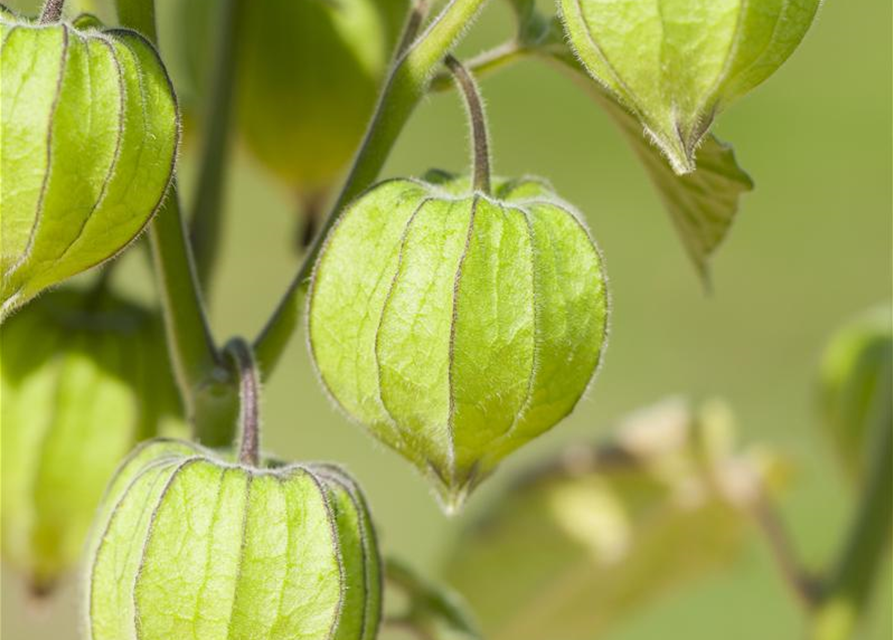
[198, 366]
[478, 120]
[52, 11]
[404, 89]
[486, 62]
[189, 337]
[848, 588]
[417, 14]
[249, 400]
[803, 586]
[206, 222]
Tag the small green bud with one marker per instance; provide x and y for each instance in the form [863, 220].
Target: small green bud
[857, 386]
[678, 63]
[89, 139]
[309, 76]
[83, 378]
[455, 325]
[188, 545]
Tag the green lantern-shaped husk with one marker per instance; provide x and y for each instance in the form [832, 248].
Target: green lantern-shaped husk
[190, 544]
[309, 75]
[677, 64]
[89, 139]
[857, 388]
[458, 321]
[83, 378]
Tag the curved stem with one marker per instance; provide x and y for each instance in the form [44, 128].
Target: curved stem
[478, 120]
[404, 89]
[52, 11]
[206, 221]
[249, 400]
[849, 586]
[804, 586]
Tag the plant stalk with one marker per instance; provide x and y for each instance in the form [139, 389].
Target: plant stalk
[52, 11]
[849, 586]
[207, 216]
[485, 63]
[417, 15]
[208, 393]
[404, 89]
[478, 120]
[239, 352]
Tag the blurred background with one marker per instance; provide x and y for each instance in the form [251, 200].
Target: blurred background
[810, 249]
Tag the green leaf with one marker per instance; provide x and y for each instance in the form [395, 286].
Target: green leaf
[103, 102]
[607, 530]
[83, 378]
[676, 64]
[190, 545]
[702, 203]
[458, 326]
[856, 390]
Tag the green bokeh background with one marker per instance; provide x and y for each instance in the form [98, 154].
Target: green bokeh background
[811, 248]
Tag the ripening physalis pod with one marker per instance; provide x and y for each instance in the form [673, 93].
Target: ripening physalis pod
[309, 75]
[677, 63]
[458, 321]
[189, 544]
[89, 131]
[84, 376]
[192, 543]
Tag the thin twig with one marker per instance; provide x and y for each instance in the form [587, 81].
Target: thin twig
[486, 62]
[803, 585]
[478, 120]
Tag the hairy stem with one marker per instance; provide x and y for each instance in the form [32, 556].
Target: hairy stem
[207, 220]
[404, 89]
[198, 366]
[249, 400]
[848, 588]
[52, 11]
[478, 120]
[188, 335]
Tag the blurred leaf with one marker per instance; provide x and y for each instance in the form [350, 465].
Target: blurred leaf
[431, 612]
[857, 386]
[702, 204]
[577, 544]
